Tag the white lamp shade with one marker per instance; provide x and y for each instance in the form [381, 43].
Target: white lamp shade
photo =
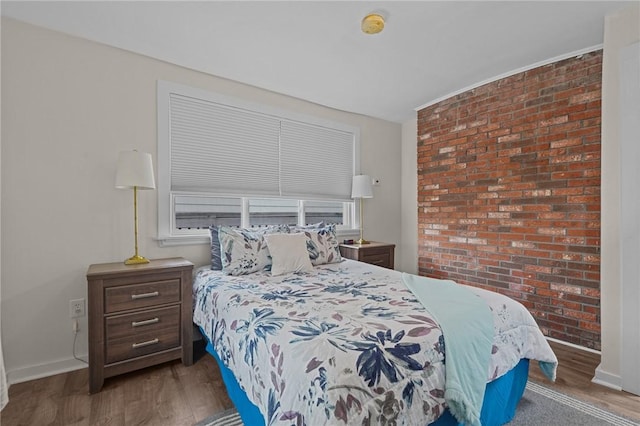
[361, 187]
[135, 169]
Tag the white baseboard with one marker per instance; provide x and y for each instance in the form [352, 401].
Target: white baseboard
[572, 345]
[601, 377]
[609, 380]
[34, 372]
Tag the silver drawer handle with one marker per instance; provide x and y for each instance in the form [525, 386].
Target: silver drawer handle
[147, 343]
[145, 322]
[144, 295]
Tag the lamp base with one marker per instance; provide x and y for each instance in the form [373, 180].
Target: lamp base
[362, 241]
[136, 260]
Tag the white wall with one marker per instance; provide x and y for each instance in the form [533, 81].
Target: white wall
[68, 107]
[621, 30]
[630, 216]
[4, 391]
[409, 211]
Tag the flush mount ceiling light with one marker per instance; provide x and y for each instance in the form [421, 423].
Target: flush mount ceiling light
[372, 24]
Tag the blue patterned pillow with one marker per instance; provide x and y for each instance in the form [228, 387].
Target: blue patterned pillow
[244, 251]
[216, 261]
[322, 245]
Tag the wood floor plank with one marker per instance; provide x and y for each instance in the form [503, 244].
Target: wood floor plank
[171, 394]
[107, 407]
[76, 410]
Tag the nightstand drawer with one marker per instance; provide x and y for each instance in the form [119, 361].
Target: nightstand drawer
[135, 296]
[142, 344]
[381, 259]
[119, 326]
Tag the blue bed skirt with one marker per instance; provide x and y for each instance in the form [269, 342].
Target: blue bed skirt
[500, 399]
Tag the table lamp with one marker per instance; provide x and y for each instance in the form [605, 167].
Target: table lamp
[135, 171]
[361, 188]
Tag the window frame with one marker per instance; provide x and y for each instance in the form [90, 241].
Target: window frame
[167, 233]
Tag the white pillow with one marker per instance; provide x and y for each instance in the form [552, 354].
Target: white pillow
[288, 253]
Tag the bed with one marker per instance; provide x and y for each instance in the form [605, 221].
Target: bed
[349, 343]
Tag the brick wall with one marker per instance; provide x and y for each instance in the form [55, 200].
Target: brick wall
[509, 193]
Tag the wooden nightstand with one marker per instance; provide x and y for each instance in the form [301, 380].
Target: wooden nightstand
[139, 315]
[380, 254]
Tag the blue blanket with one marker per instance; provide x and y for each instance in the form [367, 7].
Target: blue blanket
[467, 325]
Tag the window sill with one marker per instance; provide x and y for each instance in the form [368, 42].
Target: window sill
[183, 240]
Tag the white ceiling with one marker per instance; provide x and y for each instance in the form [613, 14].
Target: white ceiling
[314, 50]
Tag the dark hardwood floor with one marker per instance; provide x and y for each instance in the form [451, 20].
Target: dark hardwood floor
[164, 395]
[172, 394]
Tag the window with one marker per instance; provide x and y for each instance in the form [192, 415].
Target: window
[198, 212]
[273, 211]
[195, 213]
[326, 211]
[224, 161]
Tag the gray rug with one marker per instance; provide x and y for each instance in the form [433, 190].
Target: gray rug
[539, 406]
[225, 418]
[543, 406]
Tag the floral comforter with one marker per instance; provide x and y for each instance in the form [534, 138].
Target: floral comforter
[346, 344]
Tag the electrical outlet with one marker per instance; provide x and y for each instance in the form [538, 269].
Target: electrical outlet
[76, 308]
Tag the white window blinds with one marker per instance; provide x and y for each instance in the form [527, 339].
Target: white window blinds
[221, 149]
[230, 147]
[315, 162]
